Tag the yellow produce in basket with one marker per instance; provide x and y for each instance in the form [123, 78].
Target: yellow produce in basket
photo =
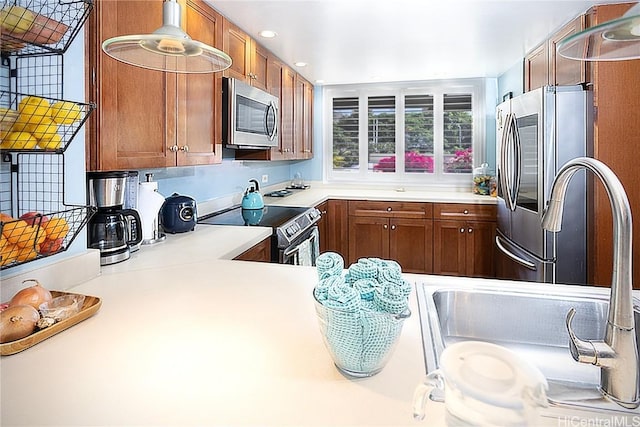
[16, 19]
[45, 129]
[7, 118]
[65, 112]
[8, 254]
[18, 140]
[52, 143]
[32, 109]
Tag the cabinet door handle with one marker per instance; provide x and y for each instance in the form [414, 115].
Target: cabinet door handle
[184, 148]
[385, 226]
[469, 230]
[393, 227]
[462, 230]
[174, 148]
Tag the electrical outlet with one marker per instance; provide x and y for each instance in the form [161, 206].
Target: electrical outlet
[265, 179]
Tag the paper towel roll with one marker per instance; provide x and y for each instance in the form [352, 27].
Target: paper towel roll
[149, 204]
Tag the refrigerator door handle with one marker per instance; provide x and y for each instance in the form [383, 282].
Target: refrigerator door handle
[510, 165]
[514, 257]
[517, 158]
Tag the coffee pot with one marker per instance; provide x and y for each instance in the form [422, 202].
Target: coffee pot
[112, 229]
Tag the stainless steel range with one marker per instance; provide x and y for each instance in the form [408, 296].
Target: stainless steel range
[295, 238]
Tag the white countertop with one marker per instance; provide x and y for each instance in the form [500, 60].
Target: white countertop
[211, 343]
[318, 192]
[185, 336]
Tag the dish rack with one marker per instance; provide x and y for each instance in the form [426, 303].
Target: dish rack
[37, 125]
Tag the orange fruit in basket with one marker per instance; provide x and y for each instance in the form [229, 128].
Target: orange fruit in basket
[19, 140]
[27, 253]
[22, 234]
[56, 228]
[3, 242]
[9, 253]
[45, 129]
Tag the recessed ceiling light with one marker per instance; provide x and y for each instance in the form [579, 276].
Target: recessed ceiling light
[268, 34]
[300, 64]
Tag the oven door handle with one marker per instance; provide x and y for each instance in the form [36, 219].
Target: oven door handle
[314, 244]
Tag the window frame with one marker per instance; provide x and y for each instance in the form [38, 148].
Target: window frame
[437, 88]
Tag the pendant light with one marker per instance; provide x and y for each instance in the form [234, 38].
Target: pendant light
[613, 40]
[168, 48]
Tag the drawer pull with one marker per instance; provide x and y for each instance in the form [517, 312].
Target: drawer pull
[389, 209]
[466, 211]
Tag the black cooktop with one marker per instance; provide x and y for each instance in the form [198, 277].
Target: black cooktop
[269, 216]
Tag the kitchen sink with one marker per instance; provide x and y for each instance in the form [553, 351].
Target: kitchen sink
[530, 320]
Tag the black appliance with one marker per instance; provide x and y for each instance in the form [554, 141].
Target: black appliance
[113, 230]
[295, 238]
[179, 214]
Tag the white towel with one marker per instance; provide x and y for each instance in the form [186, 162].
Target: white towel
[304, 253]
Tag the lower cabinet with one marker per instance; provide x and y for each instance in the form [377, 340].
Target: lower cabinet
[463, 240]
[400, 231]
[260, 252]
[333, 227]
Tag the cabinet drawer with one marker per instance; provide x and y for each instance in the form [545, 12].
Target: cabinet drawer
[464, 211]
[390, 209]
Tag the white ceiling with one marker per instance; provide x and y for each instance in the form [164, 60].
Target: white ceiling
[359, 41]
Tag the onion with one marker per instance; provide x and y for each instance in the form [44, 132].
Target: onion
[17, 322]
[33, 295]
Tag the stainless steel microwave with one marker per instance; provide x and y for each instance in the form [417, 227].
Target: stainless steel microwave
[250, 116]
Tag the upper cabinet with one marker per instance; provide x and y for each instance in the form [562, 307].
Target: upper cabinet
[249, 58]
[147, 118]
[543, 66]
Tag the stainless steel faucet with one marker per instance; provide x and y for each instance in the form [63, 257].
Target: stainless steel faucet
[617, 355]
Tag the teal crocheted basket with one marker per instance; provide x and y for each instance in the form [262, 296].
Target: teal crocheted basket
[360, 341]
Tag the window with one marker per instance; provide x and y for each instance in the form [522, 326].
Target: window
[421, 133]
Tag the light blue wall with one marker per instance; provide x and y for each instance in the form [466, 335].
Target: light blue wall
[512, 81]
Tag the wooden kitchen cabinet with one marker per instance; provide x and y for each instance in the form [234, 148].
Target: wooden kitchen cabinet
[147, 118]
[616, 133]
[536, 68]
[543, 66]
[333, 227]
[303, 118]
[564, 71]
[249, 58]
[260, 252]
[463, 239]
[401, 231]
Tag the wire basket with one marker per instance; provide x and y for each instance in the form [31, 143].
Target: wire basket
[36, 123]
[359, 341]
[33, 27]
[37, 235]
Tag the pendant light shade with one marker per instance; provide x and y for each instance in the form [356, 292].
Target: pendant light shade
[168, 48]
[614, 40]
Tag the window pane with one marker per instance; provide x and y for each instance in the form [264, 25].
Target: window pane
[345, 133]
[382, 133]
[418, 133]
[458, 129]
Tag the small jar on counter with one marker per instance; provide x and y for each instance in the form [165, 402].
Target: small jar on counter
[484, 181]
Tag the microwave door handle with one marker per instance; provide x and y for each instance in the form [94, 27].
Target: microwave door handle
[274, 131]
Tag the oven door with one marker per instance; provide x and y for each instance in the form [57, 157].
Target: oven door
[303, 251]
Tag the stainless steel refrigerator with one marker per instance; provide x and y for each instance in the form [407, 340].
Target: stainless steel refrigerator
[537, 133]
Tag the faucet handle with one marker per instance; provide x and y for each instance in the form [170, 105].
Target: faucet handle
[581, 350]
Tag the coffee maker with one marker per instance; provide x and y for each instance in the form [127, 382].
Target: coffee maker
[112, 229]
